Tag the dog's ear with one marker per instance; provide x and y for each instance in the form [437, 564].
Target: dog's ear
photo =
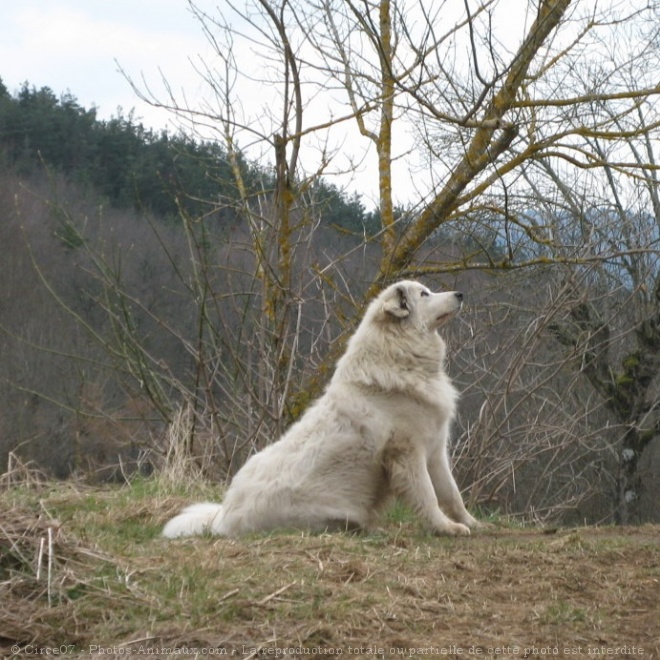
[397, 304]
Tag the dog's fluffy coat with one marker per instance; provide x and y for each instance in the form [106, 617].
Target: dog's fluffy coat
[380, 429]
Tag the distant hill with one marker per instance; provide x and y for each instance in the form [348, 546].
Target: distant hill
[131, 166]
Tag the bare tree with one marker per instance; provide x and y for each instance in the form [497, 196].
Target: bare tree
[485, 105]
[612, 327]
[530, 438]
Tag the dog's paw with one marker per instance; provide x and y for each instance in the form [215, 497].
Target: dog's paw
[453, 529]
[482, 527]
[460, 530]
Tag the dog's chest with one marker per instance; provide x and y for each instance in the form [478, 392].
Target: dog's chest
[425, 416]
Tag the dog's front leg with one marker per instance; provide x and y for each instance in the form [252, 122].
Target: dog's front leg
[446, 490]
[406, 470]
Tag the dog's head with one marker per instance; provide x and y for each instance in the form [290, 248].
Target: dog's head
[413, 303]
[399, 328]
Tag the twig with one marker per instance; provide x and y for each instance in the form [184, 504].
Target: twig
[229, 594]
[40, 556]
[50, 563]
[147, 638]
[281, 590]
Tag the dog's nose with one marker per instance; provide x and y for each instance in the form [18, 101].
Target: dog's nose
[459, 295]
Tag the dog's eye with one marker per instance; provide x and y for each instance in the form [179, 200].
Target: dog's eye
[423, 293]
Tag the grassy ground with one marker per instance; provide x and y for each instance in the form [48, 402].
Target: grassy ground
[84, 573]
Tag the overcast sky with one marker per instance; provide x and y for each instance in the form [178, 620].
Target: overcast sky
[74, 46]
[78, 46]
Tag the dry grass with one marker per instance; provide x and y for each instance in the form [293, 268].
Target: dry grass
[84, 570]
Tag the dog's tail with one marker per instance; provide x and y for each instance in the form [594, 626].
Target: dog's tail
[197, 519]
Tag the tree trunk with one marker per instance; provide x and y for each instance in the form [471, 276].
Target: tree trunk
[626, 390]
[629, 481]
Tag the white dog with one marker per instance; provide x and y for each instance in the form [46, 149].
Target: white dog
[379, 429]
